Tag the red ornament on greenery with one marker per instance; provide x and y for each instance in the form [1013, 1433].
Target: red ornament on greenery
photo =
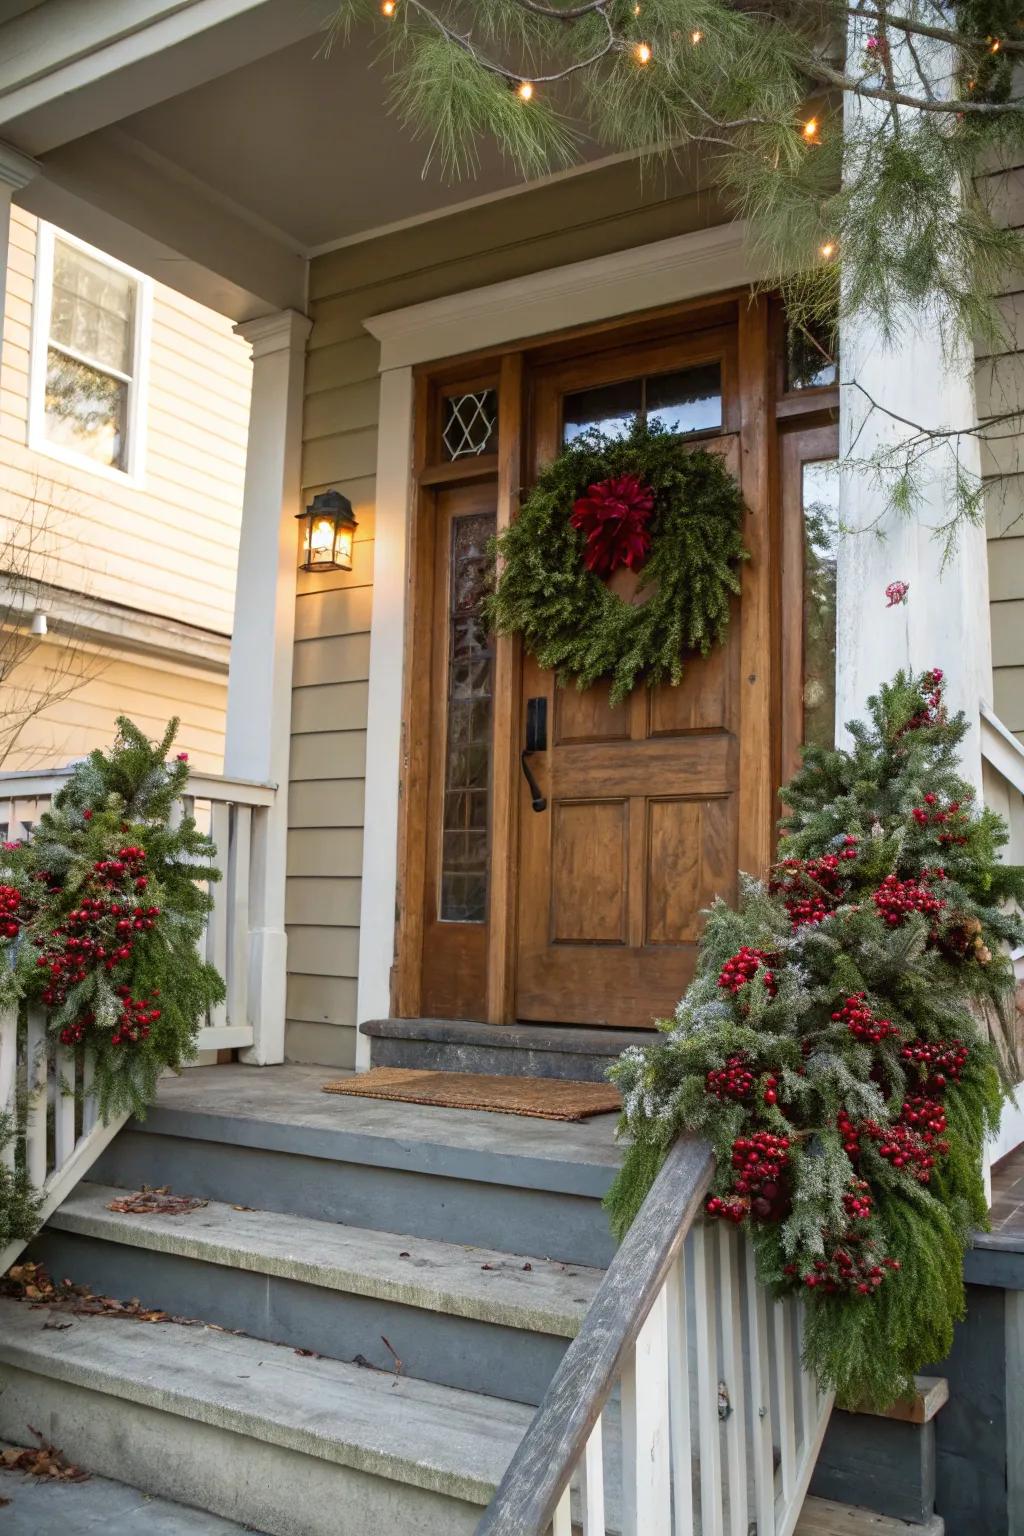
[614, 515]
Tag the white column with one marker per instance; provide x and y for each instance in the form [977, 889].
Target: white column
[945, 622]
[384, 717]
[16, 170]
[258, 736]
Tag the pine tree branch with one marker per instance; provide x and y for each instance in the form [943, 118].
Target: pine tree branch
[939, 34]
[948, 106]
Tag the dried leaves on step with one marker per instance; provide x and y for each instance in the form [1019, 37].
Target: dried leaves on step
[43, 1460]
[32, 1283]
[158, 1201]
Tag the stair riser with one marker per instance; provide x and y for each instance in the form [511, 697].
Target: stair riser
[536, 1222]
[439, 1056]
[277, 1490]
[895, 1460]
[457, 1352]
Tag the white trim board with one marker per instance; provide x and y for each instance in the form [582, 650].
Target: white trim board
[558, 298]
[601, 288]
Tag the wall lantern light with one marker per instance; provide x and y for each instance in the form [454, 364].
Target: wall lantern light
[328, 534]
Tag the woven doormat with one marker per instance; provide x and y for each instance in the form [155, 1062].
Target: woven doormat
[547, 1098]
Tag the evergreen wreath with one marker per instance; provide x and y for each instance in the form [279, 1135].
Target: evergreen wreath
[845, 1043]
[687, 540]
[100, 915]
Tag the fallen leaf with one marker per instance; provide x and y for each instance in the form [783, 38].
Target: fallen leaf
[528, 1267]
[486, 1266]
[243, 1207]
[43, 1460]
[156, 1202]
[308, 1354]
[403, 1255]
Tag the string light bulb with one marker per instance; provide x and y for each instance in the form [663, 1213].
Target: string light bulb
[696, 36]
[642, 53]
[388, 7]
[636, 10]
[827, 251]
[524, 90]
[996, 45]
[810, 130]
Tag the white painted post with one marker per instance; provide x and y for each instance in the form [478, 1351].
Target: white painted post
[260, 679]
[384, 718]
[946, 621]
[16, 171]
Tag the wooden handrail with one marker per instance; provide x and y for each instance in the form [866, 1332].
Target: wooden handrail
[538, 1473]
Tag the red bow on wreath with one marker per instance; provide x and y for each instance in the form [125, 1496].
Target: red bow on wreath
[613, 515]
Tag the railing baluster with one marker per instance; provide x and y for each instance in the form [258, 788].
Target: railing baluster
[90, 1109]
[733, 1377]
[35, 1087]
[783, 1329]
[679, 1398]
[808, 1387]
[592, 1484]
[64, 1106]
[705, 1299]
[562, 1523]
[219, 918]
[238, 887]
[8, 1076]
[651, 1465]
[763, 1443]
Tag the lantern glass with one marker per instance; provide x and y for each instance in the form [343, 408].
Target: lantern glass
[328, 533]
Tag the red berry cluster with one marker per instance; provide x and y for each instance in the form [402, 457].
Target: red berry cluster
[841, 1270]
[95, 933]
[760, 1163]
[137, 1014]
[932, 711]
[128, 864]
[729, 1210]
[12, 911]
[895, 899]
[811, 888]
[744, 966]
[733, 1081]
[857, 1203]
[861, 1022]
[940, 1062]
[953, 818]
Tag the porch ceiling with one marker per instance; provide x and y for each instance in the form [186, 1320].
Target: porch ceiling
[221, 155]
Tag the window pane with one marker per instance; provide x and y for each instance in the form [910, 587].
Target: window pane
[811, 353]
[611, 408]
[465, 842]
[469, 424]
[93, 310]
[689, 401]
[85, 410]
[820, 490]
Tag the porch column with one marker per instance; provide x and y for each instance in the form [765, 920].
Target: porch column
[258, 735]
[16, 171]
[945, 622]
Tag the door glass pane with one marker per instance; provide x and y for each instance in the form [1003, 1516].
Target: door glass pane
[93, 308]
[465, 842]
[811, 356]
[820, 492]
[689, 401]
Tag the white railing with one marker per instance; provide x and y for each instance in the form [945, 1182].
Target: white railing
[717, 1426]
[63, 1134]
[1002, 759]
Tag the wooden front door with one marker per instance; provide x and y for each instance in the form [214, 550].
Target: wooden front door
[588, 911]
[640, 829]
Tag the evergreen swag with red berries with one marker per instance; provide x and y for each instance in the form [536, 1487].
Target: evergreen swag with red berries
[844, 1045]
[100, 915]
[648, 502]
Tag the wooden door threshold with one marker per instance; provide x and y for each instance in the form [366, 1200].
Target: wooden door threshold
[521, 1050]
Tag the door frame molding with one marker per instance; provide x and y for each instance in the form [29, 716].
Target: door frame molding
[624, 284]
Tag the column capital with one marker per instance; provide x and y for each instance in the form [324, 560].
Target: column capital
[16, 169]
[283, 331]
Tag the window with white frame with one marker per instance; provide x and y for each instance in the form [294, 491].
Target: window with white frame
[87, 364]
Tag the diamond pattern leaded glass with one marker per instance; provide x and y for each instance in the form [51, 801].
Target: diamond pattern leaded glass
[467, 770]
[470, 423]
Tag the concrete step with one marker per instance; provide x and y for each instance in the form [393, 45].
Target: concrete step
[519, 1050]
[475, 1318]
[252, 1432]
[268, 1137]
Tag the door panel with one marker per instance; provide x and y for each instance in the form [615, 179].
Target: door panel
[640, 833]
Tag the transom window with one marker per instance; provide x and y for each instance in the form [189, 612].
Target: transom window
[86, 367]
[689, 400]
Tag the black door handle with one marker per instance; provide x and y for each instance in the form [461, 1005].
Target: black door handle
[536, 741]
